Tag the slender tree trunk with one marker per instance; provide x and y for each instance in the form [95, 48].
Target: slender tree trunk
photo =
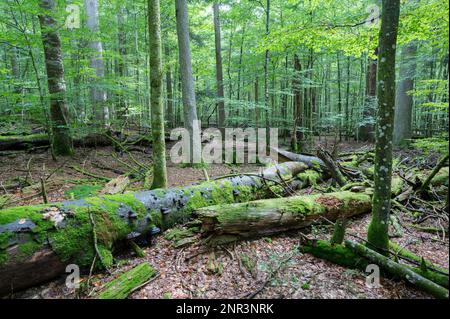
[404, 100]
[157, 107]
[339, 83]
[187, 78]
[98, 95]
[241, 54]
[122, 108]
[347, 102]
[169, 90]
[378, 229]
[366, 131]
[297, 107]
[219, 67]
[62, 139]
[266, 75]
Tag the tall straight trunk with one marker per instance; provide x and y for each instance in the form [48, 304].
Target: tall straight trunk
[339, 83]
[241, 54]
[347, 101]
[378, 229]
[266, 75]
[157, 107]
[169, 90]
[297, 107]
[366, 131]
[187, 78]
[404, 100]
[61, 138]
[15, 72]
[98, 94]
[122, 109]
[219, 67]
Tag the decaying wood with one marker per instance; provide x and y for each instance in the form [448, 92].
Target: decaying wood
[221, 224]
[397, 269]
[127, 282]
[63, 231]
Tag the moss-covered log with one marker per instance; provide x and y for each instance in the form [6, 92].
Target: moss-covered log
[127, 282]
[343, 256]
[42, 237]
[398, 270]
[225, 223]
[26, 142]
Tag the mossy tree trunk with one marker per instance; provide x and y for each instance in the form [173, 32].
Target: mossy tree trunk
[37, 242]
[378, 229]
[221, 224]
[157, 107]
[398, 270]
[62, 139]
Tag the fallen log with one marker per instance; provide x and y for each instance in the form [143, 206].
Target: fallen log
[37, 242]
[343, 256]
[126, 283]
[434, 172]
[226, 223]
[398, 270]
[26, 142]
[310, 160]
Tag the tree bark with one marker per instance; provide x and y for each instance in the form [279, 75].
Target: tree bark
[222, 224]
[187, 78]
[98, 94]
[378, 229]
[61, 136]
[37, 242]
[219, 67]
[404, 100]
[157, 108]
[396, 269]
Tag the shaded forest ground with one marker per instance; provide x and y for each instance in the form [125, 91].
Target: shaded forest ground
[233, 271]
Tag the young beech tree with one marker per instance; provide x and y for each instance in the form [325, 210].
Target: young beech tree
[378, 229]
[62, 139]
[157, 107]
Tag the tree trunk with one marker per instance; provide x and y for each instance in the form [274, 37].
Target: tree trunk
[396, 269]
[98, 94]
[187, 78]
[367, 129]
[122, 107]
[222, 224]
[157, 107]
[62, 139]
[169, 90]
[378, 229]
[37, 242]
[219, 68]
[404, 100]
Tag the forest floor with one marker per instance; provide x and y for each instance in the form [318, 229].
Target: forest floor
[234, 271]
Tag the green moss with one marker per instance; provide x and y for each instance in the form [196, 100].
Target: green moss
[24, 138]
[337, 254]
[310, 177]
[122, 286]
[397, 185]
[82, 191]
[178, 233]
